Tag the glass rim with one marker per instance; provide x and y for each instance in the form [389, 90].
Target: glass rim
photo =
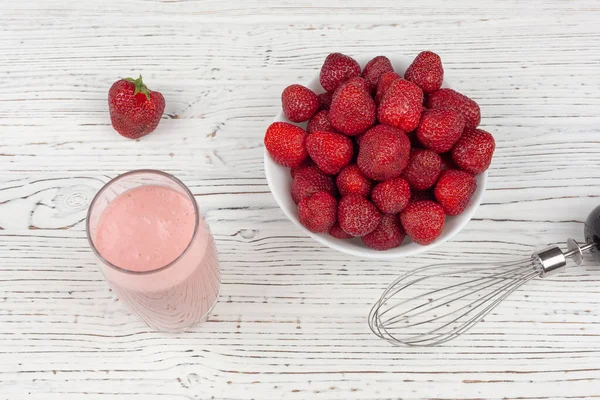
[124, 175]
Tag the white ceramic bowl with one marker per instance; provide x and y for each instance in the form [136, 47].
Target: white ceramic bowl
[280, 183]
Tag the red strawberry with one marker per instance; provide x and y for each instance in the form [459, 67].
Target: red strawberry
[383, 153]
[325, 100]
[375, 68]
[352, 110]
[423, 169]
[398, 109]
[299, 103]
[285, 143]
[337, 232]
[454, 190]
[310, 180]
[330, 151]
[320, 122]
[387, 235]
[423, 221]
[135, 110]
[426, 71]
[337, 69]
[448, 98]
[306, 163]
[351, 181]
[409, 89]
[318, 212]
[385, 81]
[440, 129]
[474, 150]
[391, 196]
[357, 216]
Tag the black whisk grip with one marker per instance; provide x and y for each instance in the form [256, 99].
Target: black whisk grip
[592, 232]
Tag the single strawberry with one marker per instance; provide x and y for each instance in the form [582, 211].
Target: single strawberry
[306, 163]
[325, 100]
[135, 110]
[454, 190]
[310, 180]
[423, 221]
[351, 181]
[383, 153]
[286, 144]
[474, 150]
[399, 110]
[330, 151]
[357, 216]
[391, 196]
[352, 110]
[299, 103]
[440, 129]
[409, 89]
[318, 212]
[388, 235]
[337, 69]
[320, 123]
[426, 71]
[375, 68]
[423, 169]
[448, 98]
[337, 232]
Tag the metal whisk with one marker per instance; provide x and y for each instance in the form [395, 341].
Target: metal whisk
[437, 303]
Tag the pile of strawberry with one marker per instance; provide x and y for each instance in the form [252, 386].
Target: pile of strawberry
[382, 156]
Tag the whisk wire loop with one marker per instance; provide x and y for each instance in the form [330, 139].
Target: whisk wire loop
[450, 302]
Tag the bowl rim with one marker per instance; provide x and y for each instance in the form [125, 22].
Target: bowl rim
[365, 252]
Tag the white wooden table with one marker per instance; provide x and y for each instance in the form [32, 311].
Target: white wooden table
[291, 322]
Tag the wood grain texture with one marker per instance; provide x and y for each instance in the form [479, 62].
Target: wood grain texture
[291, 322]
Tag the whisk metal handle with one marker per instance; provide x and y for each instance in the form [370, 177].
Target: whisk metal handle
[553, 259]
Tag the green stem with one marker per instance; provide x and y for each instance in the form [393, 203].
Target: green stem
[140, 87]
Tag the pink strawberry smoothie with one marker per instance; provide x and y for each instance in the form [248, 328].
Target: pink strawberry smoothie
[145, 228]
[167, 268]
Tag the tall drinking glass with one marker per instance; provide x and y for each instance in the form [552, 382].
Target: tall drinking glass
[155, 249]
